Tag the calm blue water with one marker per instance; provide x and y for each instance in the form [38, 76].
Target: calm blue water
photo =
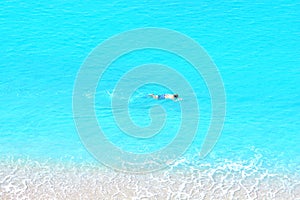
[255, 46]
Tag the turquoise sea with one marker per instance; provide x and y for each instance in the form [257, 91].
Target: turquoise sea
[255, 46]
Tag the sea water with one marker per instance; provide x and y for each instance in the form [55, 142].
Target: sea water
[255, 46]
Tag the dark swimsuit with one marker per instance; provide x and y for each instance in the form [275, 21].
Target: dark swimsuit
[161, 96]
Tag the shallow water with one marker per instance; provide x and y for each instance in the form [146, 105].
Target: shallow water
[34, 180]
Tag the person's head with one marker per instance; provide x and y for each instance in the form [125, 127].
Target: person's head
[175, 96]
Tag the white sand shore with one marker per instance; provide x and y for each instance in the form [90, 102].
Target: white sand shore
[32, 180]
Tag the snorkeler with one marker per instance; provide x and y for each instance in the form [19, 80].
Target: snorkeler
[173, 97]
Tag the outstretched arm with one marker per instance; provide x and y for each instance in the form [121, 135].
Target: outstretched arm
[178, 99]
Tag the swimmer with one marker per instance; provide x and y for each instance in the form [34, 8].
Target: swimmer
[173, 97]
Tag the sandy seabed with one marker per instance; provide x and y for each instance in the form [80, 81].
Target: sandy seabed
[21, 179]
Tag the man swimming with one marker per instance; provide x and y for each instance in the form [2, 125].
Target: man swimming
[173, 97]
